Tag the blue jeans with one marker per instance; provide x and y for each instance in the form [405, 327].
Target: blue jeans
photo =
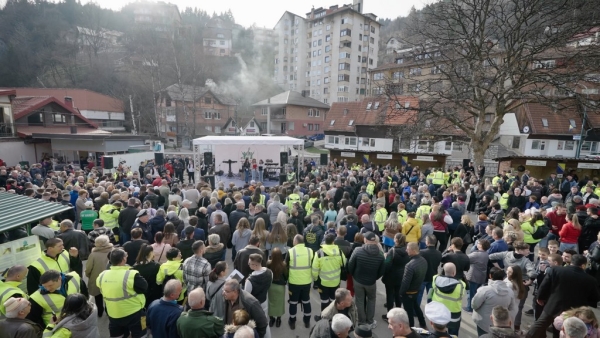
[254, 174]
[544, 242]
[472, 291]
[567, 246]
[422, 246]
[246, 176]
[422, 290]
[260, 175]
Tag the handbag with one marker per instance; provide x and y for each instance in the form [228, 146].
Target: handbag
[467, 239]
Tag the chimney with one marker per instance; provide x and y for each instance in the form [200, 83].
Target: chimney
[69, 101]
[357, 5]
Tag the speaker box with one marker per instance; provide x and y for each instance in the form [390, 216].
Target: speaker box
[283, 158]
[323, 159]
[466, 162]
[159, 159]
[208, 159]
[282, 179]
[107, 162]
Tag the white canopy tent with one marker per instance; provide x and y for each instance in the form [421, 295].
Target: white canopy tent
[240, 148]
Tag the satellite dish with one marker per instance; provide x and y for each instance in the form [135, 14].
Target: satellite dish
[526, 129]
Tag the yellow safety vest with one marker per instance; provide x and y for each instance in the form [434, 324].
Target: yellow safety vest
[309, 203]
[110, 215]
[371, 188]
[402, 215]
[300, 265]
[453, 301]
[438, 178]
[328, 264]
[262, 199]
[7, 290]
[45, 263]
[53, 302]
[54, 225]
[425, 209]
[495, 180]
[503, 201]
[293, 198]
[116, 286]
[172, 268]
[380, 218]
[291, 176]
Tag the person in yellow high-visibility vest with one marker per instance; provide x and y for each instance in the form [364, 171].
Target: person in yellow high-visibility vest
[9, 287]
[54, 258]
[449, 291]
[299, 263]
[327, 266]
[49, 299]
[438, 178]
[381, 216]
[123, 290]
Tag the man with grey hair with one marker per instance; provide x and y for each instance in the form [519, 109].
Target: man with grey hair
[162, 314]
[338, 326]
[398, 323]
[198, 322]
[501, 324]
[74, 239]
[344, 303]
[233, 297]
[574, 327]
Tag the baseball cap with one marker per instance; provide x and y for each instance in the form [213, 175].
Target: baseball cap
[438, 313]
[142, 212]
[370, 236]
[89, 204]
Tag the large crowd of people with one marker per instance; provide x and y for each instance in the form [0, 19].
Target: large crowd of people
[156, 253]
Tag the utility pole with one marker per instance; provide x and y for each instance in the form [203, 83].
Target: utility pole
[132, 116]
[581, 134]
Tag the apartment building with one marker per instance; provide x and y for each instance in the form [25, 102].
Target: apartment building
[327, 53]
[217, 38]
[160, 16]
[264, 36]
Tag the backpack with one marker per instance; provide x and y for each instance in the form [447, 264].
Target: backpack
[540, 232]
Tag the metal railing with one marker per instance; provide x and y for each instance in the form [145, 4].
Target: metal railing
[7, 129]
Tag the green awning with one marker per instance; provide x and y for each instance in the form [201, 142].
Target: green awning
[18, 210]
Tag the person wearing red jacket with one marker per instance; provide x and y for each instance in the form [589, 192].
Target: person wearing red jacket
[557, 218]
[569, 234]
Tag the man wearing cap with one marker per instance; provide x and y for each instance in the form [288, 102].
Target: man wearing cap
[16, 324]
[55, 257]
[439, 316]
[87, 217]
[9, 287]
[366, 265]
[142, 223]
[449, 291]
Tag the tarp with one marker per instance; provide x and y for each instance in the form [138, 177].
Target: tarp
[18, 210]
[248, 140]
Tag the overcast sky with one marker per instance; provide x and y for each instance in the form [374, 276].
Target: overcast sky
[266, 13]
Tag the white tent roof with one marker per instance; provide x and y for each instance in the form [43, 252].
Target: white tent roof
[248, 140]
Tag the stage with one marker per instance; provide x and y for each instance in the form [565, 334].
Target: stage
[230, 152]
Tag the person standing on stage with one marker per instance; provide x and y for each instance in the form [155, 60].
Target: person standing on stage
[246, 168]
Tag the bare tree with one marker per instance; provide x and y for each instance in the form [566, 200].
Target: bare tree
[473, 61]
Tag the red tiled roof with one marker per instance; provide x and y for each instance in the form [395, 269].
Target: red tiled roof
[344, 112]
[558, 122]
[22, 106]
[83, 99]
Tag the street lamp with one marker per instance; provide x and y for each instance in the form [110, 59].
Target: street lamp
[581, 136]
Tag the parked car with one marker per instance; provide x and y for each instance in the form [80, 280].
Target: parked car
[307, 143]
[317, 137]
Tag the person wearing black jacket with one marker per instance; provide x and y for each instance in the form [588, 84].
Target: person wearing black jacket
[236, 215]
[366, 265]
[126, 219]
[433, 257]
[590, 229]
[395, 261]
[564, 288]
[185, 245]
[454, 255]
[414, 275]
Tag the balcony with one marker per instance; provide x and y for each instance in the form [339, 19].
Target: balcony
[278, 116]
[7, 129]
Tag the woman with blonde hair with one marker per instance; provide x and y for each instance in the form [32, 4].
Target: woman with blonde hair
[514, 226]
[261, 232]
[277, 238]
[241, 236]
[586, 314]
[391, 229]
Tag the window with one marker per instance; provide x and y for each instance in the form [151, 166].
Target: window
[317, 127]
[376, 105]
[327, 49]
[327, 59]
[448, 146]
[587, 146]
[398, 75]
[168, 102]
[405, 143]
[569, 145]
[320, 42]
[332, 122]
[545, 123]
[414, 71]
[310, 113]
[251, 124]
[368, 142]
[343, 78]
[59, 118]
[342, 89]
[372, 40]
[326, 69]
[346, 32]
[319, 52]
[334, 139]
[310, 126]
[516, 142]
[217, 115]
[572, 124]
[372, 29]
[413, 87]
[344, 66]
[217, 129]
[220, 36]
[326, 80]
[487, 118]
[207, 100]
[371, 62]
[369, 105]
[437, 69]
[209, 128]
[378, 76]
[208, 115]
[350, 141]
[327, 37]
[317, 112]
[399, 61]
[328, 27]
[351, 123]
[345, 111]
[458, 146]
[540, 145]
[344, 55]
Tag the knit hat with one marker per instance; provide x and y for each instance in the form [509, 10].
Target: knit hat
[15, 305]
[101, 241]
